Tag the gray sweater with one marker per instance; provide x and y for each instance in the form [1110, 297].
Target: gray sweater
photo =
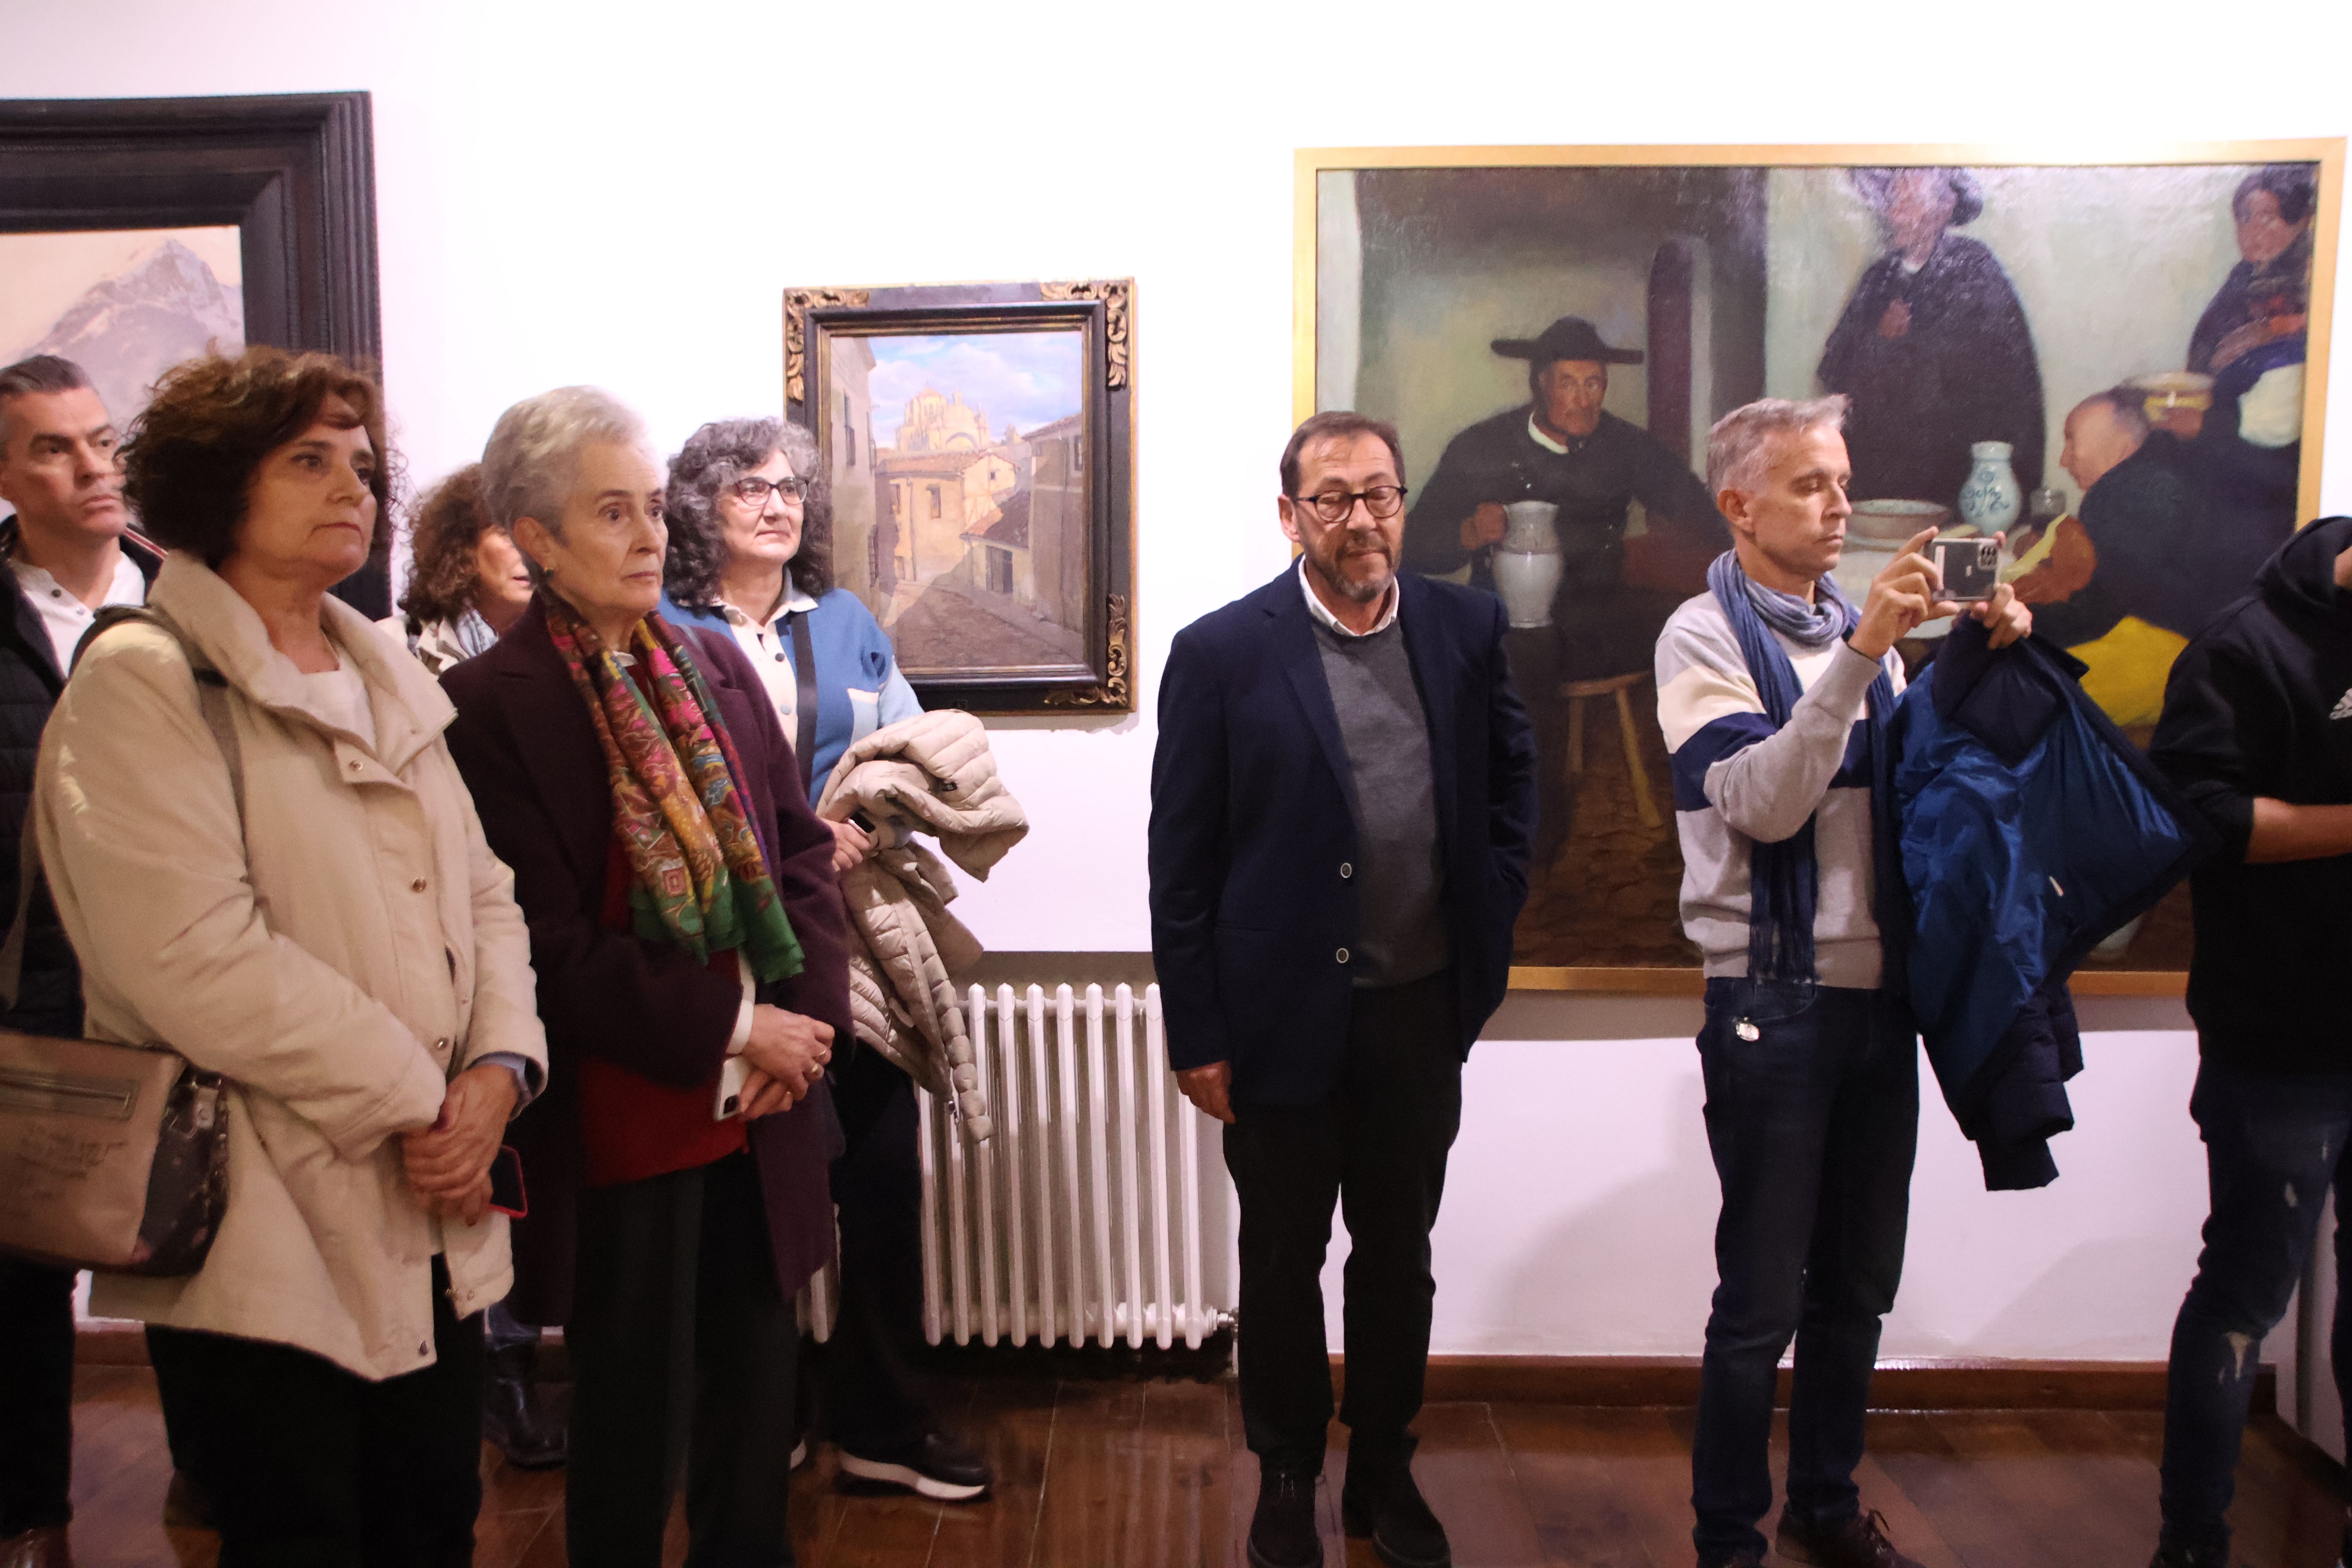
[1401, 931]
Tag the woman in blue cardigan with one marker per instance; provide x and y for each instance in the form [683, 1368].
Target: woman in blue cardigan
[750, 551]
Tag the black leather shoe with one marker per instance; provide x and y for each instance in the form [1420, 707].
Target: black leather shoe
[1282, 1531]
[1746, 1557]
[934, 1465]
[2180, 1555]
[1856, 1542]
[1386, 1505]
[514, 1420]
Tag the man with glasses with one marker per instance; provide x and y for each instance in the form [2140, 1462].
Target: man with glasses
[1340, 803]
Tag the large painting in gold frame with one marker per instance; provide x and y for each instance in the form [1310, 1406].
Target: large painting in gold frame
[2189, 284]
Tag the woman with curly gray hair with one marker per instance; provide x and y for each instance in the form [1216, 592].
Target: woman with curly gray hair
[750, 551]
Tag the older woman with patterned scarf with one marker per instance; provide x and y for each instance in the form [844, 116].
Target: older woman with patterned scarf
[688, 940]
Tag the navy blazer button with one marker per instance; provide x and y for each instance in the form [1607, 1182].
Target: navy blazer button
[1346, 871]
[1343, 956]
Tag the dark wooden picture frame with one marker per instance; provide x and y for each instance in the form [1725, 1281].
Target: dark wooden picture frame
[294, 173]
[1099, 678]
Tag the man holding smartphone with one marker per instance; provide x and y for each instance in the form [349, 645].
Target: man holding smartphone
[1774, 693]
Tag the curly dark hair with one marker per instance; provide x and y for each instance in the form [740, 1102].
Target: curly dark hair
[714, 458]
[193, 454]
[443, 534]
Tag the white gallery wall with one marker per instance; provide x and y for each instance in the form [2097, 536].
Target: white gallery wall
[618, 194]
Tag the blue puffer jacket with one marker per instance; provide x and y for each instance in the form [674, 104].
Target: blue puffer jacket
[2031, 830]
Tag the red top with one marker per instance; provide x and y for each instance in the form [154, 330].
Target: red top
[633, 1127]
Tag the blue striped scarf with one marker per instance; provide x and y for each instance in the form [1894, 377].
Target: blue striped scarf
[1784, 878]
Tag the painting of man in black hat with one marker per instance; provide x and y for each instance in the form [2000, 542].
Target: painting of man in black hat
[1563, 447]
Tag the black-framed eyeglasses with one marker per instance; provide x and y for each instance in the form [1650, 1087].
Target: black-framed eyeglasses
[1384, 501]
[753, 490]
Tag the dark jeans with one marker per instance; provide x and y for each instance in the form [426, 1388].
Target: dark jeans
[37, 1358]
[1377, 1147]
[1813, 1124]
[309, 1466]
[875, 1399]
[682, 1349]
[2274, 1145]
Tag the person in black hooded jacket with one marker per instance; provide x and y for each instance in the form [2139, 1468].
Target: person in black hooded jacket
[2257, 732]
[67, 552]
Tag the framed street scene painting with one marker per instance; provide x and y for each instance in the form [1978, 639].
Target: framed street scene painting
[2118, 365]
[136, 233]
[977, 440]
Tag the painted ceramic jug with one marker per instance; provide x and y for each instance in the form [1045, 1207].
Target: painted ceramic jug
[1991, 498]
[1527, 563]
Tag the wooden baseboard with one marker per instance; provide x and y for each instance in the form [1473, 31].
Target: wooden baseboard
[1917, 1384]
[1620, 1381]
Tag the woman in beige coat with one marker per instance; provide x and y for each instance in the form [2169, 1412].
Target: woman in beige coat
[350, 957]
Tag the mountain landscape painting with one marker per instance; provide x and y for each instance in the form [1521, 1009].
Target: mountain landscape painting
[124, 304]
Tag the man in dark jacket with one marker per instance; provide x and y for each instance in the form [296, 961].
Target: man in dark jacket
[66, 557]
[2257, 730]
[1339, 811]
[1563, 447]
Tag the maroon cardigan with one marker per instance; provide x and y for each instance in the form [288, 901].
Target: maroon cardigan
[528, 749]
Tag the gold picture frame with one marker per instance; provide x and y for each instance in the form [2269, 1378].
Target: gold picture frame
[1413, 182]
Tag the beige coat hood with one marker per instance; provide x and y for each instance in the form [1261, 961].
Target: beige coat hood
[338, 961]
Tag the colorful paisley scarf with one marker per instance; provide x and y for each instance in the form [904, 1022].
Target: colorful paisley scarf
[702, 882]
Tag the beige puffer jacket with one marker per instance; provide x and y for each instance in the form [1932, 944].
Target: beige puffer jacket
[338, 961]
[933, 774]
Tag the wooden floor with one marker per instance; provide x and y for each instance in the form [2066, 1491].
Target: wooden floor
[1138, 1474]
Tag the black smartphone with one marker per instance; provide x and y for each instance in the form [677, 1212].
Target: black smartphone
[1971, 568]
[507, 1194]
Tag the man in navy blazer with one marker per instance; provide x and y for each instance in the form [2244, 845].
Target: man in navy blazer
[1341, 801]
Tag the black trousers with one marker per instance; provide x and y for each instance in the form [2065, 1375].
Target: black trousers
[1377, 1147]
[36, 1357]
[682, 1350]
[874, 1398]
[309, 1466]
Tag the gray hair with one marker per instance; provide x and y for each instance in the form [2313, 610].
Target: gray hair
[533, 457]
[714, 458]
[1739, 448]
[36, 376]
[2128, 403]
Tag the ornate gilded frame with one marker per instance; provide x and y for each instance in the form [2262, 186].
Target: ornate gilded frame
[294, 172]
[1102, 312]
[2327, 152]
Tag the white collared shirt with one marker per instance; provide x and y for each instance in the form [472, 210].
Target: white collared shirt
[1314, 607]
[66, 617]
[771, 652]
[1535, 434]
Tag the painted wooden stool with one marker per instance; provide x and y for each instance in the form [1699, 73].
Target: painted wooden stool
[1577, 693]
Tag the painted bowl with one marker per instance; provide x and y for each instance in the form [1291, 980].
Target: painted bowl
[1893, 522]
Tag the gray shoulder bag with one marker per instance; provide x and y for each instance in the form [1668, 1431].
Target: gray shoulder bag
[112, 1157]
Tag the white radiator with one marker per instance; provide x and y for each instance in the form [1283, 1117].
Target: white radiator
[1080, 1218]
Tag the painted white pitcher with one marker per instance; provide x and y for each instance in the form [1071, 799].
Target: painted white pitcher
[1527, 562]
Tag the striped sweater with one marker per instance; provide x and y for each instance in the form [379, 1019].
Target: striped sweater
[1738, 781]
